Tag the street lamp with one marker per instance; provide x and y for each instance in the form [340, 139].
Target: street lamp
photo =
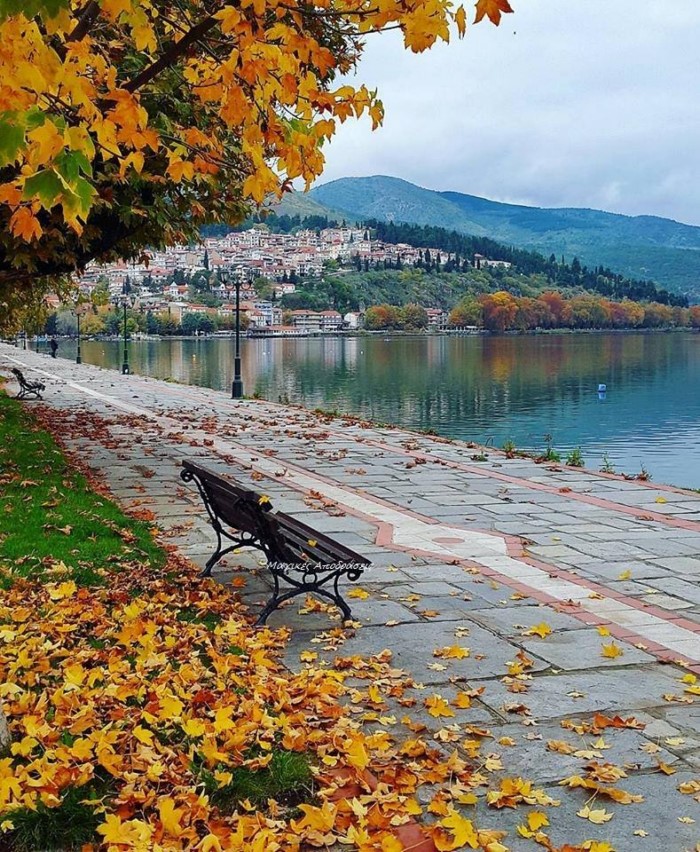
[76, 314]
[125, 299]
[237, 386]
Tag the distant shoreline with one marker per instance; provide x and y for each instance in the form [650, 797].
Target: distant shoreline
[392, 333]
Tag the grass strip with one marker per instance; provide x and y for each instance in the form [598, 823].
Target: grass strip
[51, 514]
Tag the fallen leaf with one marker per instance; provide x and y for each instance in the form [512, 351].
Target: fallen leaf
[358, 593]
[612, 651]
[597, 816]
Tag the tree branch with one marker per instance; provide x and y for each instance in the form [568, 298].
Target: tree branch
[87, 17]
[174, 52]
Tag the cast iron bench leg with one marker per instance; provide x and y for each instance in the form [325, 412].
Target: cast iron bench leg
[278, 599]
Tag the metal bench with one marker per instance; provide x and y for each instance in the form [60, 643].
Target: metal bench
[26, 387]
[308, 561]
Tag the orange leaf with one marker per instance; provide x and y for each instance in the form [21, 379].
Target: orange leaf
[24, 224]
[492, 9]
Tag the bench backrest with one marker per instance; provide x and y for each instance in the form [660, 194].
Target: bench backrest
[241, 508]
[307, 543]
[284, 538]
[19, 375]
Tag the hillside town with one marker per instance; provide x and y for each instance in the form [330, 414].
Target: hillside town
[258, 261]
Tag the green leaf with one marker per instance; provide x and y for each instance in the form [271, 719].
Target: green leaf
[84, 164]
[68, 166]
[82, 194]
[11, 138]
[34, 117]
[46, 184]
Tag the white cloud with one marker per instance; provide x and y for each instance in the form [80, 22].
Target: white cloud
[585, 103]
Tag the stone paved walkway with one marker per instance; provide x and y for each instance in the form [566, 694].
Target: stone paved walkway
[460, 548]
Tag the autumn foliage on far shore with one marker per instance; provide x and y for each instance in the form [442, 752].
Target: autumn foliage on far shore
[502, 311]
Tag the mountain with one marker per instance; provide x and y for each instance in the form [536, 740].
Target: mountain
[302, 204]
[641, 247]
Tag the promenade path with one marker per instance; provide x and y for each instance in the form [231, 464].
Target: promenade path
[466, 553]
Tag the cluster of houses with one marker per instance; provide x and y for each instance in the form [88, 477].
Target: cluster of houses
[246, 258]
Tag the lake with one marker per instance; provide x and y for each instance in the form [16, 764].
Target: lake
[478, 388]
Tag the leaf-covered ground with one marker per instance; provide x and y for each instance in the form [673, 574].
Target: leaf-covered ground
[147, 713]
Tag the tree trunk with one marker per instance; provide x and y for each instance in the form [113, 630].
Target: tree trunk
[5, 735]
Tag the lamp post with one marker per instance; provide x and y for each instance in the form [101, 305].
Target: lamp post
[124, 300]
[237, 386]
[125, 363]
[76, 313]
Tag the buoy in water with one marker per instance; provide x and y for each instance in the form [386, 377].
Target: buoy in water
[602, 388]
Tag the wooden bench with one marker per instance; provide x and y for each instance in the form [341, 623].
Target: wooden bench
[26, 387]
[308, 561]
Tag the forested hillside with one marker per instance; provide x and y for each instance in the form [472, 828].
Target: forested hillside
[638, 247]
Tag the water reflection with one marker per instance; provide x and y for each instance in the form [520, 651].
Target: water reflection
[476, 388]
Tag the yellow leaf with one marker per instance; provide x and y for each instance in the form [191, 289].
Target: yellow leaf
[358, 593]
[143, 735]
[210, 843]
[686, 820]
[170, 708]
[624, 575]
[63, 590]
[542, 630]
[315, 819]
[308, 656]
[640, 833]
[452, 651]
[462, 830]
[438, 706]
[599, 816]
[612, 650]
[661, 500]
[461, 20]
[194, 728]
[603, 630]
[170, 816]
[356, 753]
[536, 820]
[462, 700]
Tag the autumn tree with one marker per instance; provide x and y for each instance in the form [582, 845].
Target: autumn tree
[380, 317]
[131, 123]
[468, 312]
[500, 310]
[414, 317]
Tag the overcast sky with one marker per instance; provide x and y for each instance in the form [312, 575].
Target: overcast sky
[579, 103]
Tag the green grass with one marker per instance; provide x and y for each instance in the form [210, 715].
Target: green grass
[66, 827]
[49, 513]
[287, 779]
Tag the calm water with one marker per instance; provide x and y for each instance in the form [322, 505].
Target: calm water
[485, 389]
